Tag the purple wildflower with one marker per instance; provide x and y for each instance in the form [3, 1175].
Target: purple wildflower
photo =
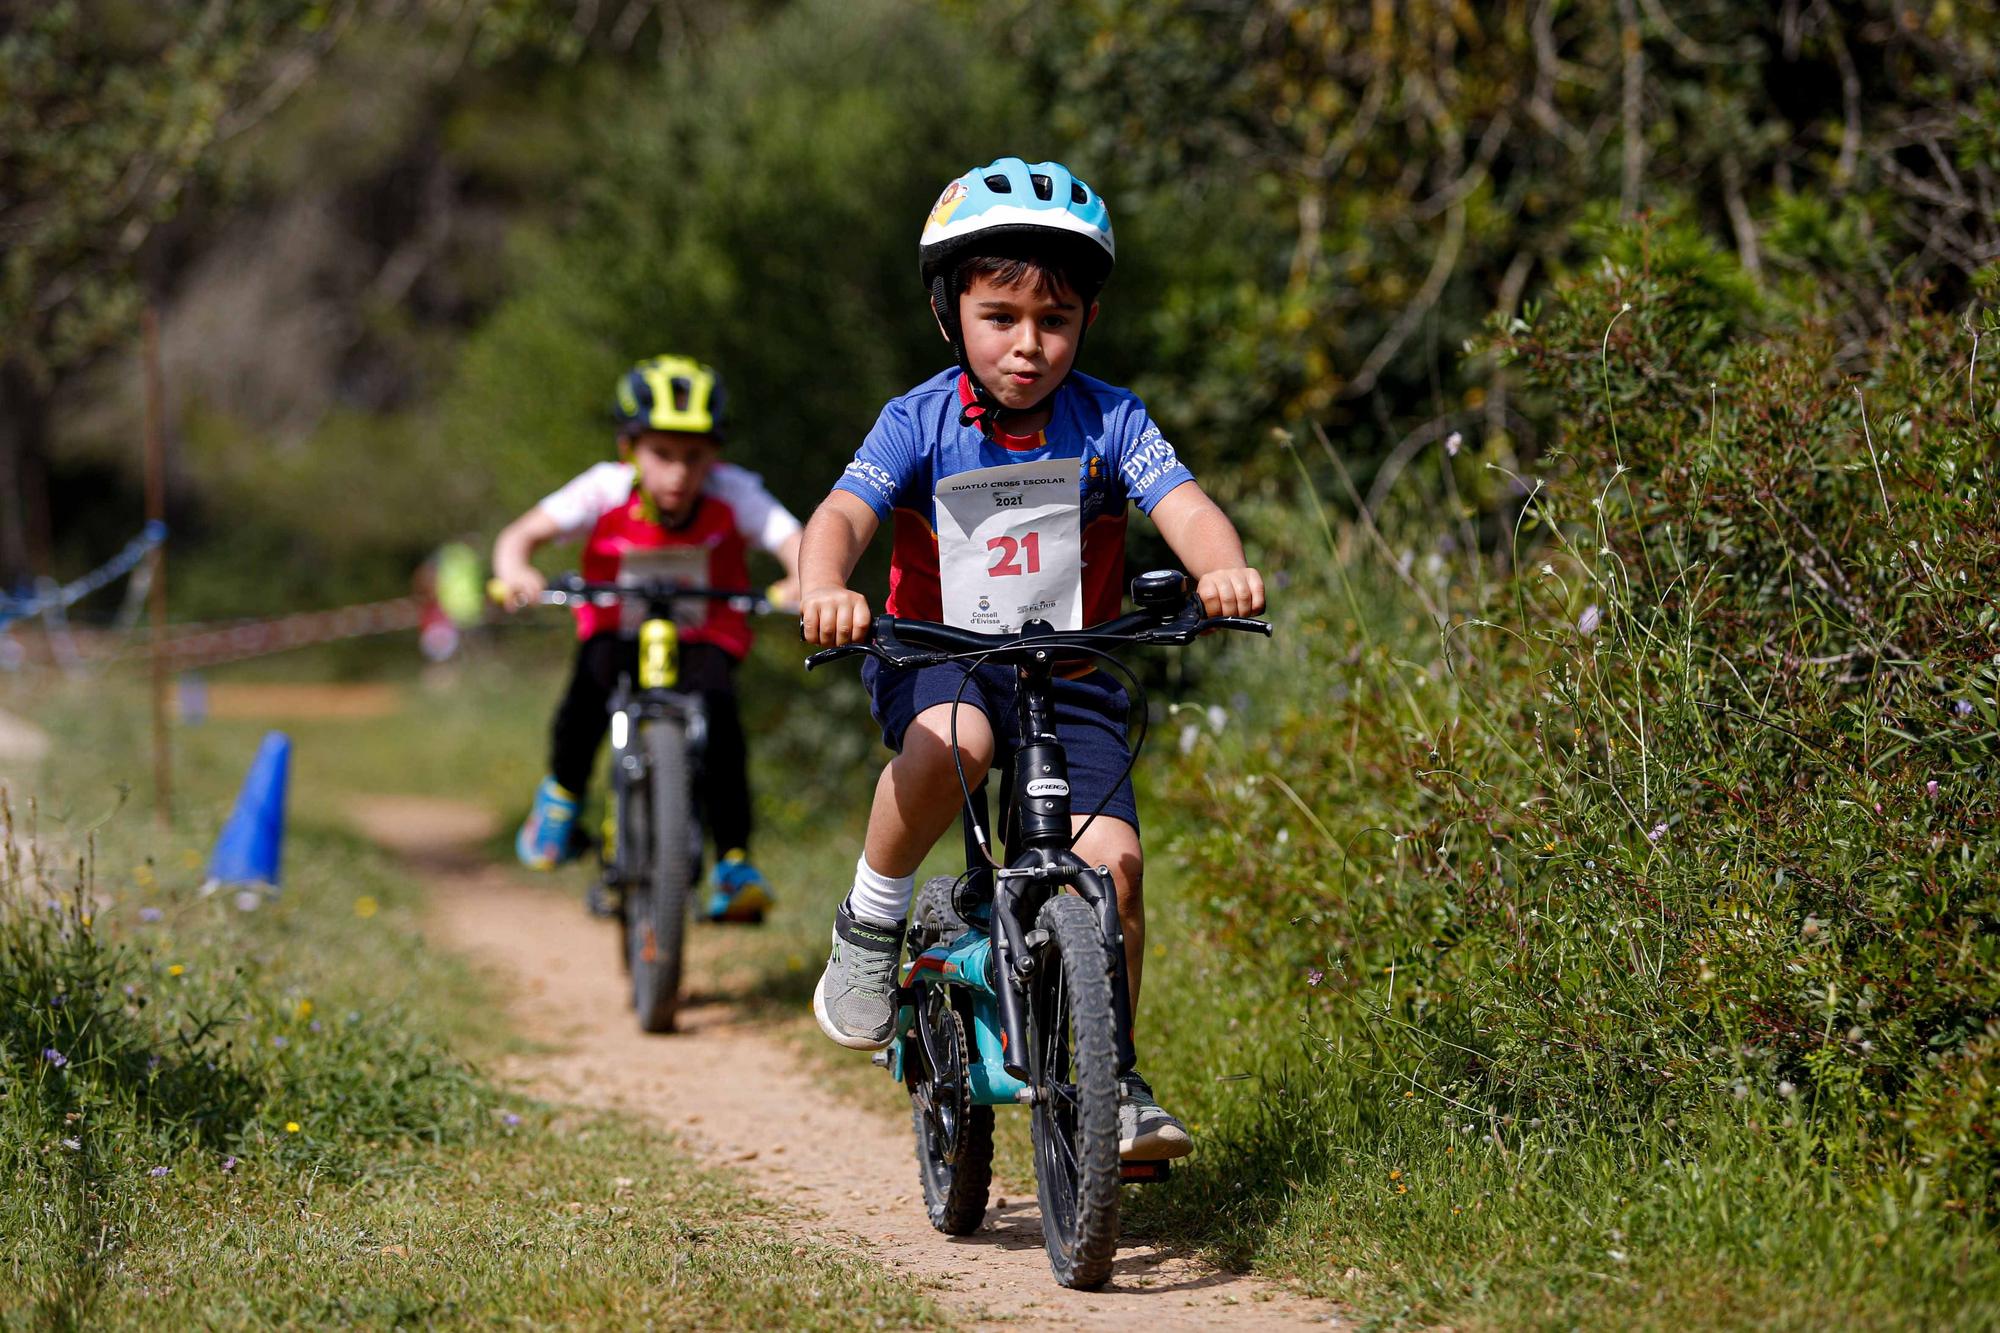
[54, 1057]
[58, 1001]
[313, 1026]
[130, 990]
[1587, 623]
[74, 1145]
[153, 1062]
[158, 1171]
[1963, 707]
[150, 914]
[1931, 787]
[1314, 976]
[509, 1119]
[1657, 832]
[279, 1042]
[229, 1164]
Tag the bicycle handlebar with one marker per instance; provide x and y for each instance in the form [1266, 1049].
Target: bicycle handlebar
[572, 589]
[904, 644]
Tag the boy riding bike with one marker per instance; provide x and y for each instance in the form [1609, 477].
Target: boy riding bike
[1006, 479]
[670, 509]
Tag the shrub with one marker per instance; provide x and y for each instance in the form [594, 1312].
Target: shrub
[1678, 809]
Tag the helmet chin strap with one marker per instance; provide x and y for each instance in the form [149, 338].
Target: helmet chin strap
[984, 409]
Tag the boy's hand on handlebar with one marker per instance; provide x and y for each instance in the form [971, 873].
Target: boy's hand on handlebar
[832, 617]
[1231, 592]
[517, 588]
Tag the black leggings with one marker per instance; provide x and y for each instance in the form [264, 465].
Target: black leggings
[582, 718]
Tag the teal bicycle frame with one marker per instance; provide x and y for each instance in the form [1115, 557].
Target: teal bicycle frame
[966, 962]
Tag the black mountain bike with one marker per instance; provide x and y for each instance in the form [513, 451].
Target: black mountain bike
[1015, 991]
[652, 851]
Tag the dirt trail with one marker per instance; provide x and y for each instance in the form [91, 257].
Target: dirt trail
[738, 1098]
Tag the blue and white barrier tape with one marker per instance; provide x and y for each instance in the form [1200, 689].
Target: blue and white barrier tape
[117, 567]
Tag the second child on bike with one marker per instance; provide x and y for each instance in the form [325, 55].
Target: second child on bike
[1006, 481]
[669, 508]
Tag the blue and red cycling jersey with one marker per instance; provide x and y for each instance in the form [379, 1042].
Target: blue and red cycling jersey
[917, 442]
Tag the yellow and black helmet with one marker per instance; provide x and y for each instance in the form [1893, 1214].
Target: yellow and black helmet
[676, 393]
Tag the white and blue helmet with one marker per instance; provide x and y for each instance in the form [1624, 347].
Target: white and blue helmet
[1011, 208]
[1011, 199]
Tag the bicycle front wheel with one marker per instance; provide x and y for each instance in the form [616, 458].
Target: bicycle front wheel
[1073, 1068]
[630, 836]
[656, 906]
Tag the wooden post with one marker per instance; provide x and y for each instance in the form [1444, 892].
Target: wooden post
[156, 511]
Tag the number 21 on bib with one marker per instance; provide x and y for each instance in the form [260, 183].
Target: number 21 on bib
[1010, 547]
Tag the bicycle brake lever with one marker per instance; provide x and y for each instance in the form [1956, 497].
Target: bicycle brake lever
[825, 655]
[1247, 624]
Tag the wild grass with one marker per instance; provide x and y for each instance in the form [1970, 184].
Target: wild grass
[239, 1118]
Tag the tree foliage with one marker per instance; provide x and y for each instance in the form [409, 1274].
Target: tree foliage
[109, 113]
[757, 207]
[1348, 188]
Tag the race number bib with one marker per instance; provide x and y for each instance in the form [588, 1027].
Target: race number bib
[665, 564]
[1010, 547]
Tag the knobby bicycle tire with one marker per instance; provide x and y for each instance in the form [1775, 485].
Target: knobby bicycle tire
[632, 831]
[659, 910]
[955, 1191]
[1073, 1060]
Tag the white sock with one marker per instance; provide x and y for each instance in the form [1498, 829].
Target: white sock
[878, 898]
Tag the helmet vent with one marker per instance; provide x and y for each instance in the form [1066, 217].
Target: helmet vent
[1044, 187]
[999, 184]
[683, 393]
[1077, 194]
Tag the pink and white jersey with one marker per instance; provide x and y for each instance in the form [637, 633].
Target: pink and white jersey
[603, 509]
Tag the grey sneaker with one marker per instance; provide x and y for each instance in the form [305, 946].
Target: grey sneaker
[1146, 1132]
[855, 1001]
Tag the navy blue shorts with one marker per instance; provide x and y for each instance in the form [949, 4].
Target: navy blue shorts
[1090, 721]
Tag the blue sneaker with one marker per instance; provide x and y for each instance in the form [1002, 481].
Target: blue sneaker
[544, 840]
[738, 892]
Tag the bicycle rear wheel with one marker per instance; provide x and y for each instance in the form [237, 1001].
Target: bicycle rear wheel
[1073, 1068]
[656, 904]
[954, 1137]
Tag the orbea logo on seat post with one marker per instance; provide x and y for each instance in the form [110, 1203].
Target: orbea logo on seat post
[1048, 787]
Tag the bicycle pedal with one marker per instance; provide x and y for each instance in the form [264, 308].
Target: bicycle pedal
[1144, 1173]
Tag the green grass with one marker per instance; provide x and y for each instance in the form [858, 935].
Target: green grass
[305, 1078]
[556, 1223]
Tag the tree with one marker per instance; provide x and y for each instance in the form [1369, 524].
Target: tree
[110, 112]
[757, 207]
[1350, 186]
[115, 115]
